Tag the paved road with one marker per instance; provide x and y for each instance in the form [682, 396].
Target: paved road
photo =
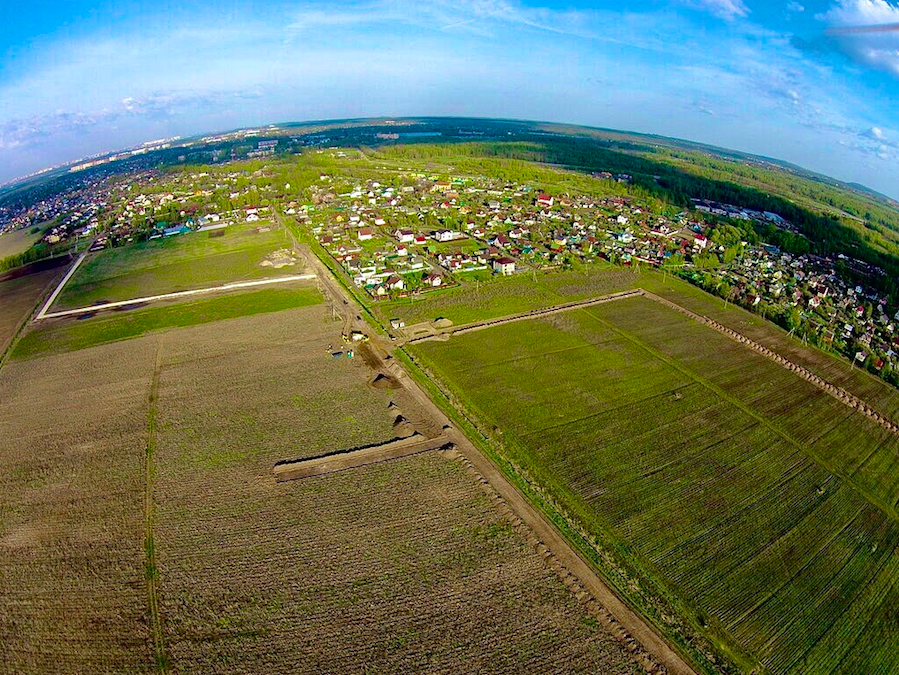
[165, 296]
[43, 313]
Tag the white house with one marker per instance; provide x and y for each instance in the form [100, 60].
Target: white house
[446, 235]
[505, 266]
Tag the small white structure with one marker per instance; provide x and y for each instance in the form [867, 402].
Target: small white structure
[505, 266]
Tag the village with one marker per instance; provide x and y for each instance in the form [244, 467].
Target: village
[64, 216]
[409, 233]
[436, 232]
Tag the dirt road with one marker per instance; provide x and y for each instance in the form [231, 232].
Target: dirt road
[443, 333]
[656, 649]
[74, 268]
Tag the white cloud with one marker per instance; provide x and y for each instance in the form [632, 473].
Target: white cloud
[723, 9]
[877, 50]
[41, 129]
[795, 7]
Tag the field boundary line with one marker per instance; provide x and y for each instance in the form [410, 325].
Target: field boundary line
[528, 506]
[177, 294]
[582, 594]
[46, 306]
[151, 571]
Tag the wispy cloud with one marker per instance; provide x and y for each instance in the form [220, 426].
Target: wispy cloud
[876, 50]
[34, 130]
[723, 9]
[873, 142]
[479, 17]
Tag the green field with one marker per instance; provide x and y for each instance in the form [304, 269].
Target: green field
[758, 505]
[172, 264]
[19, 241]
[74, 334]
[503, 296]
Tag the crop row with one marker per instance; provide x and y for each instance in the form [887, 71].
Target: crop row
[393, 567]
[690, 448]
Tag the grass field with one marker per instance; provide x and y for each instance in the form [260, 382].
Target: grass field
[760, 504]
[509, 295]
[74, 333]
[18, 297]
[399, 567]
[18, 241]
[172, 264]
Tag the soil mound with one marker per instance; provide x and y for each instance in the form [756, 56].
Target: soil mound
[383, 381]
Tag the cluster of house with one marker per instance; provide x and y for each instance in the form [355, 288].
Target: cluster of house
[847, 316]
[427, 232]
[67, 215]
[430, 233]
[172, 205]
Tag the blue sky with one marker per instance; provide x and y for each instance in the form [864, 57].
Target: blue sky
[84, 76]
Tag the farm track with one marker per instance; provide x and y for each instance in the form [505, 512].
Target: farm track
[151, 570]
[62, 284]
[654, 654]
[341, 461]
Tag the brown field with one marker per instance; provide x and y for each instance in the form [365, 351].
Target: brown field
[18, 297]
[72, 439]
[400, 566]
